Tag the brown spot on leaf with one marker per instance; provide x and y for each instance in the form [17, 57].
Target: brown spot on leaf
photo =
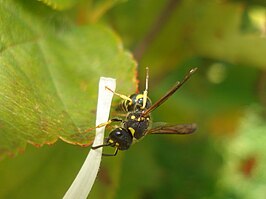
[248, 165]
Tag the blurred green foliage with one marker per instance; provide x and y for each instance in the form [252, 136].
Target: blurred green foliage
[225, 158]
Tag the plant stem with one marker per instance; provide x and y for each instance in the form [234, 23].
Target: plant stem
[157, 26]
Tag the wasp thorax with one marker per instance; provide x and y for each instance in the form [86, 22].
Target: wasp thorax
[137, 124]
[120, 138]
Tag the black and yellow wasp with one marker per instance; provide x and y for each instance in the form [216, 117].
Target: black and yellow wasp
[137, 123]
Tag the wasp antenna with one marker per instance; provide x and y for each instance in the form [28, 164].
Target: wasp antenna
[145, 92]
[119, 95]
[147, 79]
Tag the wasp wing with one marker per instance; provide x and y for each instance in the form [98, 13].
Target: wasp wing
[169, 93]
[164, 128]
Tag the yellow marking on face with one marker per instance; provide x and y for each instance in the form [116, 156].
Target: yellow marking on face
[130, 102]
[138, 119]
[111, 141]
[139, 96]
[132, 131]
[117, 144]
[145, 96]
[133, 117]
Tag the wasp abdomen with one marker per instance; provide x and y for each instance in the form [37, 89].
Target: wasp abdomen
[120, 138]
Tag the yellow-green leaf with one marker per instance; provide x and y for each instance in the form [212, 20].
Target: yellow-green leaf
[49, 72]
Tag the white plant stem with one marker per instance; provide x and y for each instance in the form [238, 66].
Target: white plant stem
[83, 182]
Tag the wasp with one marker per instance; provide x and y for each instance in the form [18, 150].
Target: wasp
[137, 122]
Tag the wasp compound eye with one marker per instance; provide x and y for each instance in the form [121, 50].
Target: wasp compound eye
[118, 133]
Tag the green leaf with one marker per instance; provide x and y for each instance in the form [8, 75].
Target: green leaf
[49, 73]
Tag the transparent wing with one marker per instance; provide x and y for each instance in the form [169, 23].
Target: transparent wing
[164, 128]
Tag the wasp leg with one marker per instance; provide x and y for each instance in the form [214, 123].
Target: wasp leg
[98, 126]
[99, 146]
[103, 145]
[114, 154]
[103, 124]
[124, 97]
[115, 119]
